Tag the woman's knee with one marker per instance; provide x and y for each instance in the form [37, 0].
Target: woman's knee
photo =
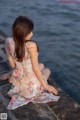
[41, 66]
[48, 70]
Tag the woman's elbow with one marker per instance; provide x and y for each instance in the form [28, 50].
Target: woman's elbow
[12, 66]
[36, 70]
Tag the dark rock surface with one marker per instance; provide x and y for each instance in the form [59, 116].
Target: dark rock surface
[31, 111]
[66, 108]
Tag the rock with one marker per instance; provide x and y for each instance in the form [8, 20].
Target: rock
[66, 108]
[32, 111]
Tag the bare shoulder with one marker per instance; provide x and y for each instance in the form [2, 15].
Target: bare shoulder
[31, 44]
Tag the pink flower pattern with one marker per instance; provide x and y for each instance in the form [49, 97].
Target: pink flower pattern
[25, 85]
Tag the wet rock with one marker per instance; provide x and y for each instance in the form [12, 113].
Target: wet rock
[2, 37]
[66, 108]
[32, 111]
[1, 58]
[4, 67]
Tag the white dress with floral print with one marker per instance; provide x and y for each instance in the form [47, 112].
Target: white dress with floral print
[25, 86]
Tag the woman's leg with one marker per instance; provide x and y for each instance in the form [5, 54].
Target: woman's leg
[46, 72]
[41, 66]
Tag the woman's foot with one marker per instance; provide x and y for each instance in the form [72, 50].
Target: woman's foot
[5, 76]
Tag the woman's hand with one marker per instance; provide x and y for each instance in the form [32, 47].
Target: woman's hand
[50, 88]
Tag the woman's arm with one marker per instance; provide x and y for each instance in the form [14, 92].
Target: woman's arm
[10, 59]
[34, 59]
[5, 76]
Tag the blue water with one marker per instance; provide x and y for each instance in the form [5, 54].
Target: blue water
[57, 31]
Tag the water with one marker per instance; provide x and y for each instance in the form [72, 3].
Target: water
[57, 31]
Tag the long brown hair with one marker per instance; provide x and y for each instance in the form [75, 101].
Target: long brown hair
[21, 27]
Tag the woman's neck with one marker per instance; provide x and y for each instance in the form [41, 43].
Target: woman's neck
[27, 41]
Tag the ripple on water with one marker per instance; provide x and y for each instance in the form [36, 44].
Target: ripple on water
[57, 32]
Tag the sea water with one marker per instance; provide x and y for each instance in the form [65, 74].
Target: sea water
[57, 32]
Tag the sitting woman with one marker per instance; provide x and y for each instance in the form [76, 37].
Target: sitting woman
[28, 78]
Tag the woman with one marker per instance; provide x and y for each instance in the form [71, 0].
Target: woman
[28, 77]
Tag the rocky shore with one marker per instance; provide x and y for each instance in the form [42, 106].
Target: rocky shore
[65, 109]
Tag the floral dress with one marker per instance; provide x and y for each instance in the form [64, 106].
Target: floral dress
[25, 87]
